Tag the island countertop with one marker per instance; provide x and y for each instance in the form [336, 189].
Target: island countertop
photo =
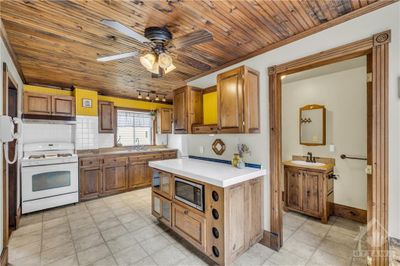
[218, 174]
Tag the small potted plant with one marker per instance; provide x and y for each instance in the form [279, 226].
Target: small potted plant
[153, 114]
[242, 149]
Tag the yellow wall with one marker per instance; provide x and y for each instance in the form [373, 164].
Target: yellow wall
[45, 90]
[210, 108]
[81, 94]
[135, 104]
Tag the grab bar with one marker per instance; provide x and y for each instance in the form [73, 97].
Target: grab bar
[344, 156]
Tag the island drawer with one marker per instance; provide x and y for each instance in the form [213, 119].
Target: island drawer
[169, 155]
[189, 225]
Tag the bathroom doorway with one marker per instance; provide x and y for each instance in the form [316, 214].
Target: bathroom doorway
[324, 117]
[375, 49]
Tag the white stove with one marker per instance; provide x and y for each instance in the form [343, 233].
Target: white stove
[49, 176]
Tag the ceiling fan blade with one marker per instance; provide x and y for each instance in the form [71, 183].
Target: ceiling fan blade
[116, 57]
[195, 37]
[125, 30]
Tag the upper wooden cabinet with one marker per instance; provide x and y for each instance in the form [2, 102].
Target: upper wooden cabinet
[188, 104]
[238, 94]
[164, 120]
[63, 105]
[106, 117]
[45, 104]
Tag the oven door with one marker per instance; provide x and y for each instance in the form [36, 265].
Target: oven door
[190, 193]
[49, 180]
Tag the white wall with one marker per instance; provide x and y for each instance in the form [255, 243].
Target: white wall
[352, 30]
[5, 57]
[44, 132]
[344, 95]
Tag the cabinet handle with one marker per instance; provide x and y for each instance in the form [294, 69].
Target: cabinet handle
[186, 212]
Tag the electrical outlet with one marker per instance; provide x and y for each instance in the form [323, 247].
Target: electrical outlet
[332, 148]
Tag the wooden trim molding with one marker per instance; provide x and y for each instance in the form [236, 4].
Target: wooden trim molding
[359, 12]
[270, 240]
[351, 213]
[4, 257]
[377, 47]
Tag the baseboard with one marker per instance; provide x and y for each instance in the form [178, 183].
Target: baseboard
[4, 257]
[270, 240]
[350, 213]
[18, 216]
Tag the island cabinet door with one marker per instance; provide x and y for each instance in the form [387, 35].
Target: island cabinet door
[137, 174]
[189, 225]
[114, 178]
[312, 193]
[255, 205]
[293, 185]
[161, 209]
[236, 220]
[90, 183]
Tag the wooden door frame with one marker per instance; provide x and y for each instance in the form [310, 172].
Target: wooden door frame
[4, 253]
[377, 48]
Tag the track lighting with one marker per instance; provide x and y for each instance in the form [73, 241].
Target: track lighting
[157, 99]
[164, 100]
[140, 96]
[148, 96]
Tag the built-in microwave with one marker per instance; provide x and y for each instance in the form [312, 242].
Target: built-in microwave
[190, 193]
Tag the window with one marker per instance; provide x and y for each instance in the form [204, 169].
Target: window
[134, 128]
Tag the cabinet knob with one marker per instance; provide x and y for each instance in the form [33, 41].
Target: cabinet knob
[186, 212]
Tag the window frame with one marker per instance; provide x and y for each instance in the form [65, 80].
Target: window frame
[153, 134]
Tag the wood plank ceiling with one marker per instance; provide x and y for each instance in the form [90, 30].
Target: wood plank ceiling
[57, 42]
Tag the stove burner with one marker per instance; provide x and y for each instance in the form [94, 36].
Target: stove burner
[41, 156]
[64, 155]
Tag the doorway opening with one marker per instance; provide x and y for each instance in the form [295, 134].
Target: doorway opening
[10, 171]
[324, 118]
[376, 50]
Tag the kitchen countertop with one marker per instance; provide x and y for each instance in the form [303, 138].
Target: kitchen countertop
[218, 174]
[118, 151]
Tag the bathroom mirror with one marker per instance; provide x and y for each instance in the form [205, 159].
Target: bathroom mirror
[312, 125]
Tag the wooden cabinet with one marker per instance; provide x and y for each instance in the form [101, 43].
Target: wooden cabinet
[255, 208]
[205, 129]
[190, 225]
[115, 176]
[106, 175]
[90, 179]
[89, 182]
[137, 174]
[164, 120]
[238, 101]
[63, 105]
[188, 109]
[106, 117]
[308, 191]
[162, 209]
[48, 105]
[162, 183]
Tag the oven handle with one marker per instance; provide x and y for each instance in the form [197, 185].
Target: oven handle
[30, 166]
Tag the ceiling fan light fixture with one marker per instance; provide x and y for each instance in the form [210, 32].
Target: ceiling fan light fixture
[164, 60]
[169, 69]
[148, 60]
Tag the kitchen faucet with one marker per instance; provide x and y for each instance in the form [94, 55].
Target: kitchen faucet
[138, 146]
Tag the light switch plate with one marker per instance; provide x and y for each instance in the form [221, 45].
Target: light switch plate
[332, 148]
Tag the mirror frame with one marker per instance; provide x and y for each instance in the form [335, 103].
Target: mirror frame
[313, 107]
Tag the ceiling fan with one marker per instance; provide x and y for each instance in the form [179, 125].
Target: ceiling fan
[160, 40]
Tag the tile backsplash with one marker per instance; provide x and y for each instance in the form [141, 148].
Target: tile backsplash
[87, 135]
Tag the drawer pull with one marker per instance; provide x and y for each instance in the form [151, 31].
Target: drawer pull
[186, 212]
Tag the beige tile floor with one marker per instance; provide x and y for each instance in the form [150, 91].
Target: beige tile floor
[120, 230]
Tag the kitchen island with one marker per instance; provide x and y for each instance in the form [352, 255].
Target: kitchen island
[214, 206]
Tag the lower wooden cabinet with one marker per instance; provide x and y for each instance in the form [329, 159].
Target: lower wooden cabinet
[114, 178]
[106, 175]
[138, 174]
[162, 209]
[89, 182]
[308, 191]
[190, 225]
